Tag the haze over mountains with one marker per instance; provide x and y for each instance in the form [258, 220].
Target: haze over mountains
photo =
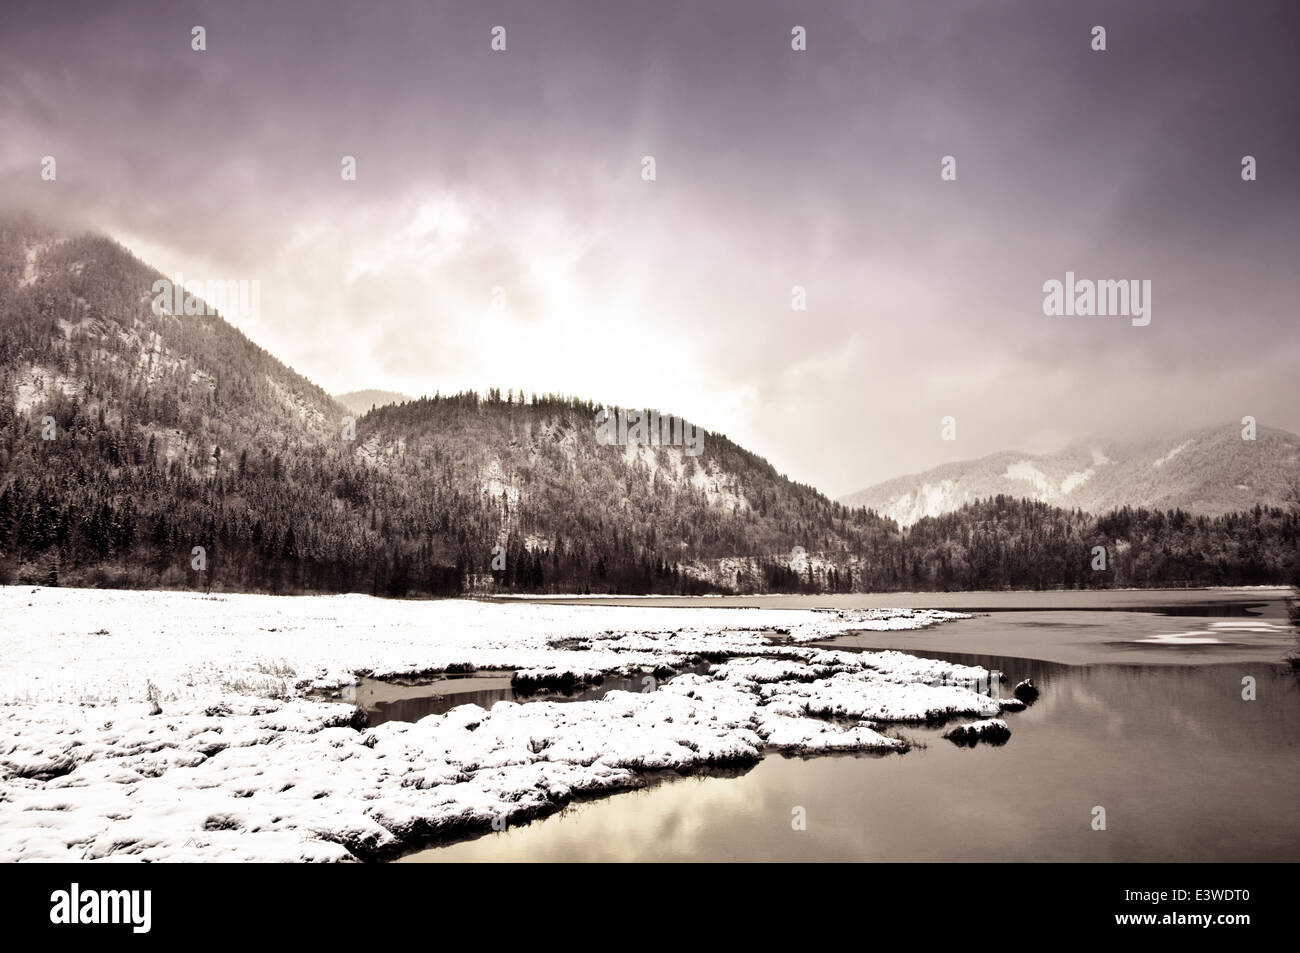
[1208, 471]
[170, 431]
[362, 401]
[140, 448]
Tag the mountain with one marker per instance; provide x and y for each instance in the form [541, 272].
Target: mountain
[151, 446]
[81, 337]
[1211, 471]
[363, 401]
[173, 430]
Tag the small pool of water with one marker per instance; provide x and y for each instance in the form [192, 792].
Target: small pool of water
[390, 701]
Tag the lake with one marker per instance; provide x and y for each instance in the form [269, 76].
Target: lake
[1141, 713]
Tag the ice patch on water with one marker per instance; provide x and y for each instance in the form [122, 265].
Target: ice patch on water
[1197, 637]
[1251, 625]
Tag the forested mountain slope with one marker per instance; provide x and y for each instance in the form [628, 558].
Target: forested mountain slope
[174, 433]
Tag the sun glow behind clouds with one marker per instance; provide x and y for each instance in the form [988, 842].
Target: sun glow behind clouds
[450, 291]
[434, 235]
[521, 171]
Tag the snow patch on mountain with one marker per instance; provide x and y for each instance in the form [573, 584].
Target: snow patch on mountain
[1172, 453]
[495, 483]
[1075, 480]
[719, 488]
[929, 499]
[1024, 470]
[40, 383]
[296, 403]
[30, 271]
[1203, 472]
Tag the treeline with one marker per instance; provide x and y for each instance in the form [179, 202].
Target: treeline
[114, 505]
[268, 526]
[1008, 543]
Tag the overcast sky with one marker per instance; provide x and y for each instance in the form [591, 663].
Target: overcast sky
[523, 169]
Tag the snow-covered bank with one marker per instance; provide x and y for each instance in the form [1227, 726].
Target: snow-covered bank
[242, 763]
[992, 730]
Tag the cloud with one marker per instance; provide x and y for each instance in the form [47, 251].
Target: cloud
[521, 171]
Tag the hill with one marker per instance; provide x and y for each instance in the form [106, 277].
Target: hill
[172, 431]
[1209, 472]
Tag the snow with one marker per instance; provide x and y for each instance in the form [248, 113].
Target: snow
[1044, 490]
[929, 499]
[1212, 634]
[37, 383]
[30, 271]
[1073, 481]
[248, 761]
[1198, 637]
[1172, 453]
[295, 402]
[720, 489]
[675, 469]
[1024, 470]
[992, 730]
[495, 483]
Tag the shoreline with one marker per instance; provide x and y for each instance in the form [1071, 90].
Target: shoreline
[970, 601]
[243, 762]
[216, 749]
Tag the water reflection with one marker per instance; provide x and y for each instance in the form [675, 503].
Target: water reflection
[1214, 611]
[441, 696]
[1186, 767]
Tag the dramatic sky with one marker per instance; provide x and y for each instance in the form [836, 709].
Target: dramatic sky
[522, 170]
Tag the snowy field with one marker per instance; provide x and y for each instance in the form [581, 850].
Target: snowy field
[150, 726]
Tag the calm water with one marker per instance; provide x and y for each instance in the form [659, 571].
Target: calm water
[1101, 599]
[1148, 722]
[383, 701]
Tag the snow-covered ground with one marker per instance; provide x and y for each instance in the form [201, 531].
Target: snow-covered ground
[245, 761]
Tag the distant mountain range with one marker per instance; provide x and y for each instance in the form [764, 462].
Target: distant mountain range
[363, 401]
[1209, 471]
